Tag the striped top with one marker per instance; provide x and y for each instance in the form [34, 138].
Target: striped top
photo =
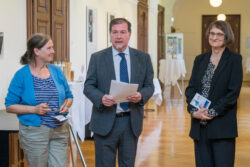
[46, 92]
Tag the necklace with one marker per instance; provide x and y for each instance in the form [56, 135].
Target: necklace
[42, 73]
[215, 60]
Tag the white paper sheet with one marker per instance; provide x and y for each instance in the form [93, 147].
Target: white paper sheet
[121, 90]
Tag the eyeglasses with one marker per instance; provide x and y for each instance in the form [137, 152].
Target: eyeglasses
[216, 34]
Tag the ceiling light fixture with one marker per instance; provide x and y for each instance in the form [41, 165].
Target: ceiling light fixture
[215, 3]
[221, 17]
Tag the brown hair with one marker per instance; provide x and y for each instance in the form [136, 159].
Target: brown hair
[119, 21]
[226, 28]
[36, 41]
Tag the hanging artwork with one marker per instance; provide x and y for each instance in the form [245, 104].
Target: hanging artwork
[110, 17]
[174, 45]
[91, 32]
[1, 42]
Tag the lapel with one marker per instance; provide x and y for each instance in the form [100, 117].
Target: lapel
[218, 71]
[109, 63]
[133, 65]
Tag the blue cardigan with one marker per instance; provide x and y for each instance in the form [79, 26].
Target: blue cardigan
[21, 91]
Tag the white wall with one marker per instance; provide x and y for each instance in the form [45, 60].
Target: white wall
[168, 5]
[120, 8]
[152, 32]
[77, 35]
[13, 24]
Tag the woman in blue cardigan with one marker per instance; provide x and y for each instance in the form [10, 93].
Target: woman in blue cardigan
[37, 93]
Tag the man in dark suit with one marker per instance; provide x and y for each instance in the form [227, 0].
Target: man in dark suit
[117, 126]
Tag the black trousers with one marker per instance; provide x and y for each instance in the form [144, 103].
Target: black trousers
[214, 152]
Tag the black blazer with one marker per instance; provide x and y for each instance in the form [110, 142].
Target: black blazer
[224, 91]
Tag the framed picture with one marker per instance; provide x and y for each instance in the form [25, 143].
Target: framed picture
[110, 16]
[91, 32]
[174, 45]
[1, 42]
[90, 25]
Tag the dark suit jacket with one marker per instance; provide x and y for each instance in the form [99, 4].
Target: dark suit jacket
[224, 91]
[100, 73]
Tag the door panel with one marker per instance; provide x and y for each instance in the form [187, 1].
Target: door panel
[50, 17]
[41, 17]
[59, 26]
[43, 26]
[58, 45]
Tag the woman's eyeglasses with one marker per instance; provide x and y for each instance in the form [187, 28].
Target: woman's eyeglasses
[216, 34]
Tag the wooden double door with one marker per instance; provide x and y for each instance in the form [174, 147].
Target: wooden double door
[50, 17]
[233, 20]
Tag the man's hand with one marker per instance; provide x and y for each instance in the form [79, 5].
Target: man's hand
[108, 100]
[135, 98]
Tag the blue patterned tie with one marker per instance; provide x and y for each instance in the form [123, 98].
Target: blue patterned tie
[124, 77]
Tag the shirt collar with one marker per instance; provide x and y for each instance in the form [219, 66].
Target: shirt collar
[116, 52]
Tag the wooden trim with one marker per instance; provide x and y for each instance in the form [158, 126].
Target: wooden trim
[160, 36]
[142, 27]
[29, 9]
[144, 2]
[68, 31]
[16, 155]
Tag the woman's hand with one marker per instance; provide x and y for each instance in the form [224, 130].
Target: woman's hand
[42, 108]
[65, 107]
[201, 114]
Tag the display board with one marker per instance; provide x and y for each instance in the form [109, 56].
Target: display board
[174, 46]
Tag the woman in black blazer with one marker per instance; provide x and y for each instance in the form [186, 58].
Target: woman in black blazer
[217, 76]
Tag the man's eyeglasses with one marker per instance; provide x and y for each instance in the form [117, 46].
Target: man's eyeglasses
[216, 34]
